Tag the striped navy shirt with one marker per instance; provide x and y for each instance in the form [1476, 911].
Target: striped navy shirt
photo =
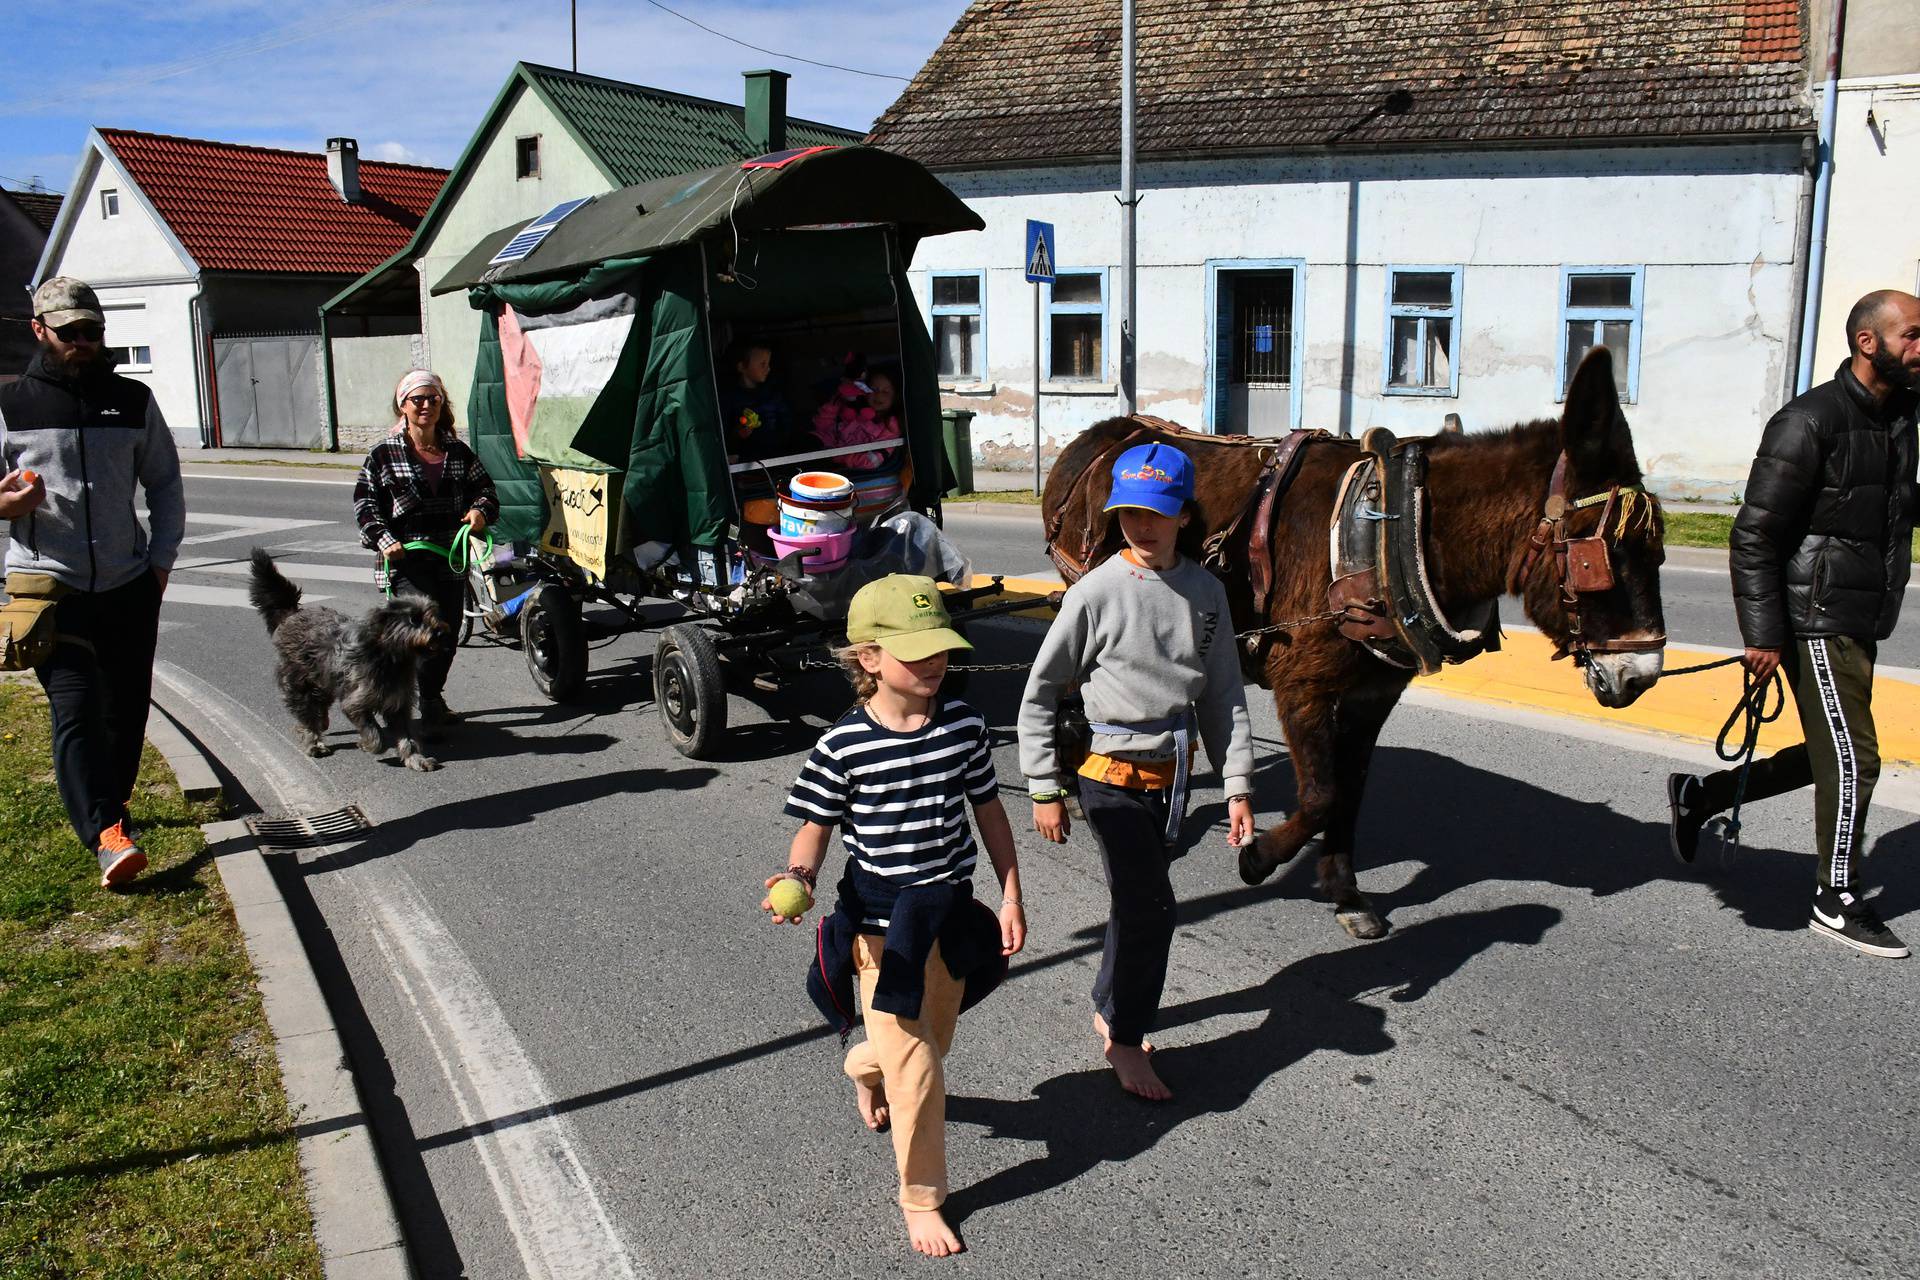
[899, 799]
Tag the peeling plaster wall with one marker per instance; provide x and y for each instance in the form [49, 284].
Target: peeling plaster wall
[1712, 226]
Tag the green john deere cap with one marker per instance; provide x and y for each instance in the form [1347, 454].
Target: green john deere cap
[61, 300]
[904, 615]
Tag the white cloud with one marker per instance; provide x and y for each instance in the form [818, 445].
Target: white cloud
[393, 152]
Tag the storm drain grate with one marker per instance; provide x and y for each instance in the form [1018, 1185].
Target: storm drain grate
[310, 833]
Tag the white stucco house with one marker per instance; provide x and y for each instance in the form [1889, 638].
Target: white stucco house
[211, 258]
[1871, 238]
[1377, 213]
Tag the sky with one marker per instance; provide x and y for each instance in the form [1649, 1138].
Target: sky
[410, 78]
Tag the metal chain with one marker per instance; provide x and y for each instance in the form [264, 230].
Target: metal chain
[1293, 624]
[822, 664]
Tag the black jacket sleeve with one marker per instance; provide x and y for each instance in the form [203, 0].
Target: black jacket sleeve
[1781, 490]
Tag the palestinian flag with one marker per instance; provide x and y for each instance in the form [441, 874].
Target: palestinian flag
[556, 366]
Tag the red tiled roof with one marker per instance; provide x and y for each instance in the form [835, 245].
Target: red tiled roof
[241, 208]
[1020, 82]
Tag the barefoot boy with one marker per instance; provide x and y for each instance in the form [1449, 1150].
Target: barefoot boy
[896, 774]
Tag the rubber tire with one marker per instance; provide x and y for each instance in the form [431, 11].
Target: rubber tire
[555, 639]
[689, 690]
[469, 606]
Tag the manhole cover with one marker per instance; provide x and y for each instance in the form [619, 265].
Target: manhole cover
[310, 832]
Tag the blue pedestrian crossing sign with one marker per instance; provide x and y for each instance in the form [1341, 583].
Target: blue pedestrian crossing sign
[1040, 255]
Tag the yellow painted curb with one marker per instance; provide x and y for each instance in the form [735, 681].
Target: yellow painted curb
[1523, 674]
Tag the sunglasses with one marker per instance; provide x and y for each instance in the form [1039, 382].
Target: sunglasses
[81, 331]
[423, 402]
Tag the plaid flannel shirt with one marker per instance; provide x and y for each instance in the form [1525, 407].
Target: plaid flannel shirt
[393, 503]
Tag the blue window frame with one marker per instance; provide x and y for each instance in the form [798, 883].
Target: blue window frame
[1073, 333]
[957, 305]
[1602, 306]
[1422, 355]
[1234, 335]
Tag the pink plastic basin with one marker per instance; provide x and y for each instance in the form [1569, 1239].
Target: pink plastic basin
[822, 552]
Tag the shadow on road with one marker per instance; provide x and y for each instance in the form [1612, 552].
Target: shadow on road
[490, 813]
[1467, 825]
[1313, 1005]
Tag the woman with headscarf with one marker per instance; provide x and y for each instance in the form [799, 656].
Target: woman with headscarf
[424, 484]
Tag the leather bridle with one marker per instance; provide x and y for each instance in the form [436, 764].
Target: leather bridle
[1583, 567]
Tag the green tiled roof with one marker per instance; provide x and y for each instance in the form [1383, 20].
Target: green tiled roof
[640, 134]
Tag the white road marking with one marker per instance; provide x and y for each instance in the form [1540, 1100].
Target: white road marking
[240, 526]
[221, 597]
[225, 475]
[549, 1202]
[322, 547]
[298, 570]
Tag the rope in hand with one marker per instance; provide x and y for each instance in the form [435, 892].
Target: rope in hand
[1750, 712]
[457, 551]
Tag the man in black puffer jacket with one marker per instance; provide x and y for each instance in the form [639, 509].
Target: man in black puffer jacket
[1820, 556]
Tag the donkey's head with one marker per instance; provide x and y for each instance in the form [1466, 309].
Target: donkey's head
[1591, 574]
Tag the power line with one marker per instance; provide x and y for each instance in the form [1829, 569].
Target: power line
[775, 53]
[27, 185]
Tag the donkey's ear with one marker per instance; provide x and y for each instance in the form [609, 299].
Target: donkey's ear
[1593, 431]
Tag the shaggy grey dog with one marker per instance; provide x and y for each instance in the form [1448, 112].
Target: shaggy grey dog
[368, 667]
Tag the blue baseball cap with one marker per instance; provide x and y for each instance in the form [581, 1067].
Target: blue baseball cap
[1153, 477]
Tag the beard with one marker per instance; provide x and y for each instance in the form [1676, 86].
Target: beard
[1890, 370]
[76, 360]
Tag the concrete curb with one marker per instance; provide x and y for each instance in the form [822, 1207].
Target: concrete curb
[354, 1218]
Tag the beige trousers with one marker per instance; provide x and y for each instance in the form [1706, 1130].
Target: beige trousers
[904, 1054]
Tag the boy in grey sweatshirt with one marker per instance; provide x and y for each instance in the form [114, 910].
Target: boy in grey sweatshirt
[1149, 639]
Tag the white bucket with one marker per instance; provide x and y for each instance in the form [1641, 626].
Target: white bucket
[798, 521]
[818, 486]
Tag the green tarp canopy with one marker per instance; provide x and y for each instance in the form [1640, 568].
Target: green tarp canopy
[614, 312]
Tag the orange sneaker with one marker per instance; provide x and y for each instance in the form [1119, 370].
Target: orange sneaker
[120, 858]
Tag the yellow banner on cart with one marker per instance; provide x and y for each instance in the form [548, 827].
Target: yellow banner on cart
[583, 517]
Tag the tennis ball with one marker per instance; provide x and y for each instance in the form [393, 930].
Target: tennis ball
[789, 897]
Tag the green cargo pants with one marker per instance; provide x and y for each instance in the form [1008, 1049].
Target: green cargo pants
[1832, 681]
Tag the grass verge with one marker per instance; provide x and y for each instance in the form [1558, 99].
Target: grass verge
[308, 461]
[1018, 497]
[1711, 529]
[143, 1129]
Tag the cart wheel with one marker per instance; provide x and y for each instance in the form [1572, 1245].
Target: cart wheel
[470, 609]
[555, 639]
[689, 691]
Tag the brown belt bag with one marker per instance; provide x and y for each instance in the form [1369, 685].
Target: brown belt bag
[27, 631]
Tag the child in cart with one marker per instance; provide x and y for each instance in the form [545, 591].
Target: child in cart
[896, 775]
[1148, 637]
[757, 422]
[864, 407]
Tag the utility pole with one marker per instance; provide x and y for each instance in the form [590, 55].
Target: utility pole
[1129, 278]
[573, 21]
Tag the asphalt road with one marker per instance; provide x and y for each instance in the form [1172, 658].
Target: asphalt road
[587, 1057]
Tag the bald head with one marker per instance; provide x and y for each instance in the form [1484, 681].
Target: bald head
[1876, 313]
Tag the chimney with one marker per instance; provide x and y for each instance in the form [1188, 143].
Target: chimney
[766, 111]
[343, 168]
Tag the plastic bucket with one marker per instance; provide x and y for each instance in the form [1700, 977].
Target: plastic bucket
[798, 519]
[822, 552]
[819, 486]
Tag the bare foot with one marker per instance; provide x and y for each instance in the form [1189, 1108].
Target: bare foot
[873, 1104]
[1136, 1073]
[930, 1233]
[1106, 1041]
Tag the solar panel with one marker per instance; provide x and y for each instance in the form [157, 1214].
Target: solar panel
[534, 232]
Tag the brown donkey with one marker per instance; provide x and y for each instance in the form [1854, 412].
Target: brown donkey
[1488, 493]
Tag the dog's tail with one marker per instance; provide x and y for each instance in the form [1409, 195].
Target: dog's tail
[272, 592]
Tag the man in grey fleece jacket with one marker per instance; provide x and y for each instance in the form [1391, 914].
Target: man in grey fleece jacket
[75, 441]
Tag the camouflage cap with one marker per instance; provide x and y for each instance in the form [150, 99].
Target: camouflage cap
[61, 300]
